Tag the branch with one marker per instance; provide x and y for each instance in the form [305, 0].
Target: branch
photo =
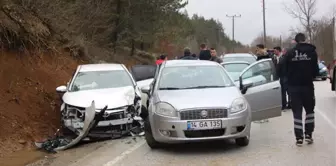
[293, 13]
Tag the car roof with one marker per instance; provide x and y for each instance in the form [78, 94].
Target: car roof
[238, 55]
[236, 62]
[175, 63]
[100, 67]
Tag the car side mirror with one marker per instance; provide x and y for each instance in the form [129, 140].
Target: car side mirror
[244, 86]
[146, 90]
[61, 89]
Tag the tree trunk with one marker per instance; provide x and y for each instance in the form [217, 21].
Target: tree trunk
[132, 47]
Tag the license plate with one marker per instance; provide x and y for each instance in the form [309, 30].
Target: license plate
[204, 125]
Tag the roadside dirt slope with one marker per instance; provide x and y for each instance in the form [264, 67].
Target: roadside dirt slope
[28, 102]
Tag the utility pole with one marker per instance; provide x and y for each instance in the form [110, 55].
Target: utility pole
[233, 27]
[280, 41]
[264, 22]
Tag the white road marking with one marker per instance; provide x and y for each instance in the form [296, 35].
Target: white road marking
[135, 147]
[124, 154]
[325, 117]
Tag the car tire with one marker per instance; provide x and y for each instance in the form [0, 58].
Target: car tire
[144, 112]
[243, 141]
[151, 142]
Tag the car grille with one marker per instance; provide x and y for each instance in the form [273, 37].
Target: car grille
[114, 116]
[197, 114]
[204, 133]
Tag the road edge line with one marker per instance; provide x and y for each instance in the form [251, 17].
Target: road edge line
[325, 117]
[124, 154]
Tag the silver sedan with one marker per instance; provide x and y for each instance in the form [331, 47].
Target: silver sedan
[198, 101]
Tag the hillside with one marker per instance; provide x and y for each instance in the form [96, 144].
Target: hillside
[42, 42]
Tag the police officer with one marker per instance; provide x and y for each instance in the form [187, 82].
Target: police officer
[301, 67]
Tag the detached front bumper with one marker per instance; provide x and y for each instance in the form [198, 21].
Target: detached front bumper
[113, 123]
[235, 126]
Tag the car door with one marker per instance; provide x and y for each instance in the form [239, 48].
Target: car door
[144, 76]
[264, 95]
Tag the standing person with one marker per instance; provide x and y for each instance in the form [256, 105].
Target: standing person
[187, 55]
[283, 79]
[214, 56]
[204, 53]
[261, 52]
[161, 59]
[301, 68]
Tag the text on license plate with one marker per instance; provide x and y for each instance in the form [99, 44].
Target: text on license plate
[204, 125]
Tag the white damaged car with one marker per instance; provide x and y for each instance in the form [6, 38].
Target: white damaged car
[116, 96]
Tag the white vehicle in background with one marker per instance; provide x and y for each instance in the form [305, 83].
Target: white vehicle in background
[235, 68]
[246, 57]
[112, 93]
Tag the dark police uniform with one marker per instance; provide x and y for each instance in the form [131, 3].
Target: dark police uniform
[301, 67]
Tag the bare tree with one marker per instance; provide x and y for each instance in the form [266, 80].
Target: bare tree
[304, 10]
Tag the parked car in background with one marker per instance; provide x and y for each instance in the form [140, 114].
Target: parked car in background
[332, 75]
[323, 71]
[198, 101]
[239, 57]
[234, 68]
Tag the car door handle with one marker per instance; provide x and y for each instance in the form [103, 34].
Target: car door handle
[276, 88]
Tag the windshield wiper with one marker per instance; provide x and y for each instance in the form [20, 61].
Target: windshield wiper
[169, 88]
[202, 87]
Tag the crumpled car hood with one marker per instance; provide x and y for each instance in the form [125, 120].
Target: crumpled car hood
[113, 97]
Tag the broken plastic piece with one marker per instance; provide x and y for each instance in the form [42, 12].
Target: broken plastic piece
[89, 122]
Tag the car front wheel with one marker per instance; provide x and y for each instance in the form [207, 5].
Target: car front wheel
[243, 141]
[152, 143]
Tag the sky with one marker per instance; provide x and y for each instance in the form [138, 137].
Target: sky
[250, 24]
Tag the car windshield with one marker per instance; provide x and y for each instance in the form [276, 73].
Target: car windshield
[93, 80]
[234, 69]
[250, 60]
[193, 77]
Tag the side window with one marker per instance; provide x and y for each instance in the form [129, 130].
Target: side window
[260, 73]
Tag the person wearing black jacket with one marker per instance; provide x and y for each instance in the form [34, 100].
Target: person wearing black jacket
[301, 67]
[214, 56]
[187, 55]
[204, 53]
[279, 56]
[261, 52]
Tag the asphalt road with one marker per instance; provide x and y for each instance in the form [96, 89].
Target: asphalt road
[272, 143]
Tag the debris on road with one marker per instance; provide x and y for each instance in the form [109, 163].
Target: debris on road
[91, 120]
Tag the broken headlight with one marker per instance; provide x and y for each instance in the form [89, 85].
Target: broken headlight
[74, 112]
